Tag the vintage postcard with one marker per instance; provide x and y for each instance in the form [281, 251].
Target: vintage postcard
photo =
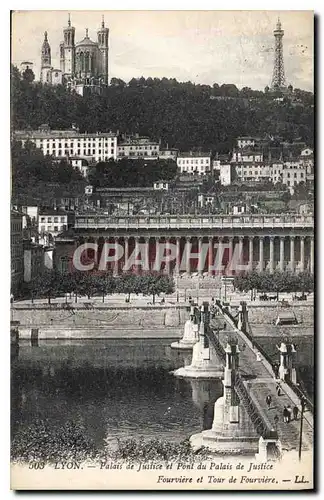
[162, 250]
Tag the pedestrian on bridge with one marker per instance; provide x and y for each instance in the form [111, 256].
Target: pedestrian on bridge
[285, 415]
[268, 401]
[295, 412]
[276, 420]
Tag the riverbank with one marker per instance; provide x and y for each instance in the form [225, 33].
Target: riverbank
[95, 320]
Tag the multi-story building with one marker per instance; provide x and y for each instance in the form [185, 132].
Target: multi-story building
[50, 223]
[168, 153]
[34, 260]
[194, 162]
[66, 143]
[17, 250]
[288, 175]
[225, 174]
[81, 164]
[136, 147]
[252, 171]
[206, 200]
[247, 156]
[244, 141]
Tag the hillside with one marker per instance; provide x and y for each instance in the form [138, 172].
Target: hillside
[183, 115]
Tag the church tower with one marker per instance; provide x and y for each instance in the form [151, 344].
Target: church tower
[46, 63]
[103, 35]
[69, 50]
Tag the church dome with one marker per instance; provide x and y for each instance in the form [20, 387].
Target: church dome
[86, 42]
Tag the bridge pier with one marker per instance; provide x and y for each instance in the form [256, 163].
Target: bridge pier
[205, 363]
[191, 335]
[232, 431]
[269, 448]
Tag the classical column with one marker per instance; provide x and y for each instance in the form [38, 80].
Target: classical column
[126, 249]
[147, 252]
[230, 254]
[282, 253]
[312, 255]
[219, 255]
[302, 253]
[292, 253]
[261, 261]
[271, 242]
[240, 250]
[157, 252]
[200, 263]
[115, 271]
[177, 266]
[188, 247]
[251, 253]
[136, 253]
[210, 256]
[167, 251]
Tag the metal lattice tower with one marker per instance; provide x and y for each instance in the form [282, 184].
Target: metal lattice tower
[278, 77]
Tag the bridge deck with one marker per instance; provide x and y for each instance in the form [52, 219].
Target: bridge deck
[261, 383]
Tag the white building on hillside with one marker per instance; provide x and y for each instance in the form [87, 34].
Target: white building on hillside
[137, 147]
[240, 156]
[65, 143]
[225, 174]
[194, 162]
[257, 172]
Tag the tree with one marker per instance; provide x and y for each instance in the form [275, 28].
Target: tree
[181, 114]
[28, 75]
[47, 284]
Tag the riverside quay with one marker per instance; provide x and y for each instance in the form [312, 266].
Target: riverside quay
[188, 244]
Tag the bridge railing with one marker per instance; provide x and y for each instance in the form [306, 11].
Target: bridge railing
[262, 426]
[268, 358]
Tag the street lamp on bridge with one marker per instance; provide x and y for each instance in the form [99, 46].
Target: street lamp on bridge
[302, 404]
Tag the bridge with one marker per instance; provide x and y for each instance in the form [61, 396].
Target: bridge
[243, 422]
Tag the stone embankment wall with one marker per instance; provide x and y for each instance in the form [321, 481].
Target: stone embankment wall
[80, 321]
[267, 314]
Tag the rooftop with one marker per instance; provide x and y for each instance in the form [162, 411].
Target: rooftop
[52, 211]
[48, 133]
[195, 154]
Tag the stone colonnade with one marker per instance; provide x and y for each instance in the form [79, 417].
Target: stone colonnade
[201, 254]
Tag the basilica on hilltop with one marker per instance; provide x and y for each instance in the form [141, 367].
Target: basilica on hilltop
[83, 65]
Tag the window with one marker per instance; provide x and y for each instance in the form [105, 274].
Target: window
[49, 219]
[55, 219]
[55, 228]
[42, 229]
[42, 219]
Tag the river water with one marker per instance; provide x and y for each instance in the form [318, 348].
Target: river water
[115, 388]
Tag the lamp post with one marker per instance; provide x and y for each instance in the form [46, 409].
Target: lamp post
[303, 404]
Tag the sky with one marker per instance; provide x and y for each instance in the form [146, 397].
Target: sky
[201, 46]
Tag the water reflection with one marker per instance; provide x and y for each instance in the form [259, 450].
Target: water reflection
[204, 395]
[114, 388]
